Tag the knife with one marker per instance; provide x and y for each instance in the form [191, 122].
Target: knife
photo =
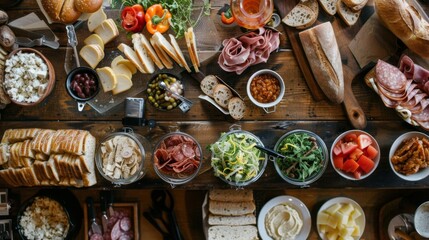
[270, 152]
[32, 36]
[110, 210]
[95, 228]
[103, 207]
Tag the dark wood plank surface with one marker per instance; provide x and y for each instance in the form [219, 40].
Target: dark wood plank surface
[297, 110]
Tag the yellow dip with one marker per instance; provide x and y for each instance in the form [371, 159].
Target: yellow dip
[283, 222]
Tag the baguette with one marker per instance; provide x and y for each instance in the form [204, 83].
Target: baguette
[406, 23]
[321, 49]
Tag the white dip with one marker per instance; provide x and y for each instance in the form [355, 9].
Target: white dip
[283, 222]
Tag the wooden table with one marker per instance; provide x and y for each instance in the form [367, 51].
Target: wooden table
[297, 110]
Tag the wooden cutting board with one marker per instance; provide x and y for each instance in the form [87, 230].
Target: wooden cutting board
[344, 34]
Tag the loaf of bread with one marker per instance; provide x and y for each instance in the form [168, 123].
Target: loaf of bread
[321, 49]
[69, 11]
[406, 23]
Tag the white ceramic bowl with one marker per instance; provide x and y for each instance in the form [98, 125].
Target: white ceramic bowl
[347, 175]
[421, 219]
[423, 173]
[268, 107]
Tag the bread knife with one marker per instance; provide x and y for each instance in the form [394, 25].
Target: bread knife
[103, 207]
[95, 228]
[33, 36]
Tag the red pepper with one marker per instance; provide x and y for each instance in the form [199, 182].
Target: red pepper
[227, 17]
[133, 18]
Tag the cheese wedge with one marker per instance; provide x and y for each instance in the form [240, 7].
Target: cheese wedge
[94, 39]
[92, 54]
[179, 53]
[151, 52]
[124, 83]
[107, 30]
[129, 65]
[161, 54]
[95, 19]
[122, 69]
[167, 47]
[142, 54]
[132, 56]
[107, 78]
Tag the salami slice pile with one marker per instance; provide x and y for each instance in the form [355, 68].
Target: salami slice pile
[119, 227]
[405, 88]
[177, 155]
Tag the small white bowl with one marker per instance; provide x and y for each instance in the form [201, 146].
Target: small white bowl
[421, 220]
[268, 107]
[423, 173]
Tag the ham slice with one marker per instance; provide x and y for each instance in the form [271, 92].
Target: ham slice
[412, 70]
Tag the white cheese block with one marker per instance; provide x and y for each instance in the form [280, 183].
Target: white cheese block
[107, 78]
[132, 56]
[94, 39]
[107, 30]
[124, 83]
[95, 19]
[92, 54]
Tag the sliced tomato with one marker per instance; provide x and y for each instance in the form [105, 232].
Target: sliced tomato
[371, 152]
[350, 165]
[348, 147]
[356, 154]
[357, 174]
[337, 149]
[351, 137]
[364, 141]
[365, 163]
[338, 162]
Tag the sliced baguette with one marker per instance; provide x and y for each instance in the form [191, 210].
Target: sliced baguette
[107, 30]
[231, 208]
[191, 43]
[330, 6]
[232, 232]
[314, 6]
[132, 56]
[124, 83]
[146, 61]
[349, 17]
[236, 108]
[94, 39]
[299, 16]
[92, 54]
[208, 84]
[179, 53]
[355, 5]
[161, 54]
[162, 42]
[151, 52]
[107, 78]
[95, 19]
[222, 94]
[247, 219]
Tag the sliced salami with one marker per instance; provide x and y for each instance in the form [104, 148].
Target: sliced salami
[96, 236]
[125, 224]
[389, 77]
[423, 116]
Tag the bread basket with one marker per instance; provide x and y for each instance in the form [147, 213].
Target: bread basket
[50, 83]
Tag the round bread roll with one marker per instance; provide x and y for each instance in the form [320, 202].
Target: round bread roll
[236, 108]
[88, 6]
[207, 85]
[69, 13]
[221, 95]
[53, 9]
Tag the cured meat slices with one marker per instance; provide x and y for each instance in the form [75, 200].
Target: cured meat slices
[389, 77]
[177, 155]
[412, 70]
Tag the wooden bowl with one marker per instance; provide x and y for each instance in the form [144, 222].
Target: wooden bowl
[51, 77]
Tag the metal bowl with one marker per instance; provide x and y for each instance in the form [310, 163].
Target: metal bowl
[73, 94]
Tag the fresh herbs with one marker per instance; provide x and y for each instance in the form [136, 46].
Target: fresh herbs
[304, 157]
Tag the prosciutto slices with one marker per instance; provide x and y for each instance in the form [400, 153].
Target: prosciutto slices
[177, 155]
[250, 49]
[405, 88]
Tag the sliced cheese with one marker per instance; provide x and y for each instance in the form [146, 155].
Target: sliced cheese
[92, 54]
[124, 83]
[179, 53]
[161, 54]
[151, 52]
[107, 78]
[129, 65]
[95, 19]
[94, 39]
[132, 56]
[147, 62]
[107, 30]
[122, 69]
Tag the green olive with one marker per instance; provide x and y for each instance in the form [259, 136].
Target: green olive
[169, 107]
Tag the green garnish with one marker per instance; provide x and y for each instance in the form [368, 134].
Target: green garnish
[304, 157]
[235, 158]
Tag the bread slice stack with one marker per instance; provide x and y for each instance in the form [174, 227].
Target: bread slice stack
[348, 10]
[44, 157]
[232, 215]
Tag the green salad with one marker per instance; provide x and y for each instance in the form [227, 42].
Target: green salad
[304, 157]
[235, 159]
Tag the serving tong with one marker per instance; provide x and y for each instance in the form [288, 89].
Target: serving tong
[185, 104]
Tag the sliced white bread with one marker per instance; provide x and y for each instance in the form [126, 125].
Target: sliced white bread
[247, 219]
[231, 208]
[162, 43]
[355, 5]
[92, 54]
[208, 84]
[222, 94]
[132, 56]
[151, 52]
[330, 6]
[300, 15]
[107, 30]
[232, 232]
[95, 19]
[236, 108]
[349, 17]
[124, 83]
[94, 39]
[179, 53]
[146, 61]
[163, 56]
[231, 195]
[107, 78]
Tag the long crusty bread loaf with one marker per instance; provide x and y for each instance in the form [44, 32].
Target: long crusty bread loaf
[231, 208]
[321, 49]
[232, 232]
[406, 23]
[247, 219]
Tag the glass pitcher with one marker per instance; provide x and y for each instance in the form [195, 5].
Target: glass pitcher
[252, 14]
